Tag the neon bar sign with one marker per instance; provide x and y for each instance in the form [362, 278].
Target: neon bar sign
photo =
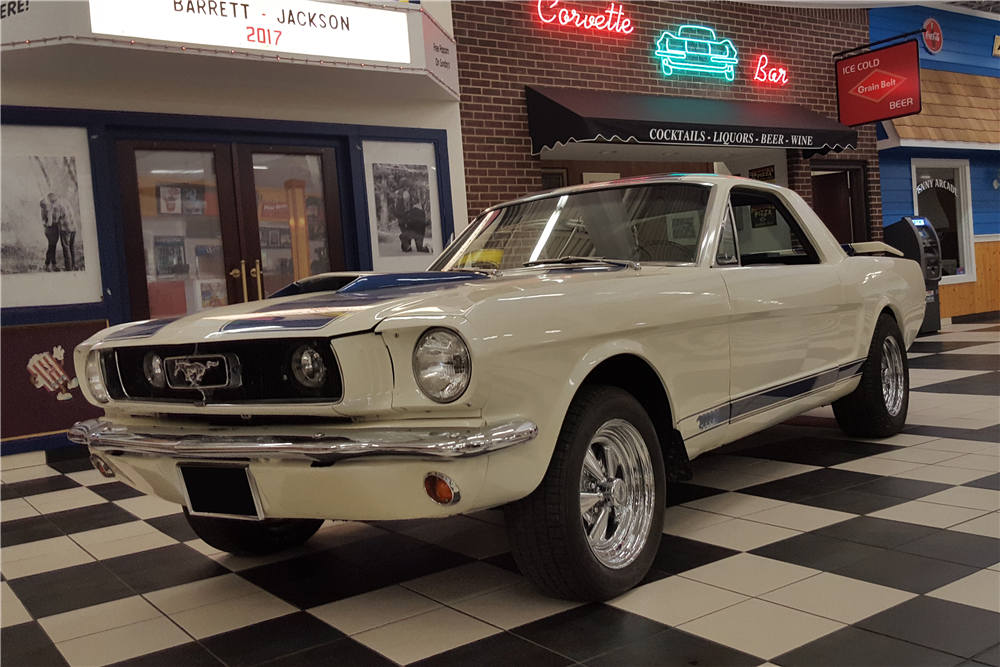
[611, 20]
[695, 49]
[764, 73]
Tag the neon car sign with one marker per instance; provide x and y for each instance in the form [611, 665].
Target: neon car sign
[771, 74]
[612, 19]
[695, 49]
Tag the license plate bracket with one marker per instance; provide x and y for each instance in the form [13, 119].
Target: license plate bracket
[224, 491]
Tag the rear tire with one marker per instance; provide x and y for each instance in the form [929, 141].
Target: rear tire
[877, 408]
[252, 538]
[591, 529]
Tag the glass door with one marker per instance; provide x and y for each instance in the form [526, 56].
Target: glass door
[213, 224]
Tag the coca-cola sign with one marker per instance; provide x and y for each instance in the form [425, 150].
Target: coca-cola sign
[933, 37]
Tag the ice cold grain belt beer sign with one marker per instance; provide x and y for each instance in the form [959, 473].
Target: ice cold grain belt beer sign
[301, 27]
[879, 85]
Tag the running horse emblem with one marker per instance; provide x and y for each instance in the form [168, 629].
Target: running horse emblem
[193, 371]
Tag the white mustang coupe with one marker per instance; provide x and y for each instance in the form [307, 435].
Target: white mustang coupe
[563, 359]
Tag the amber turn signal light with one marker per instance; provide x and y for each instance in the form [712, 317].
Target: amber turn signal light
[441, 489]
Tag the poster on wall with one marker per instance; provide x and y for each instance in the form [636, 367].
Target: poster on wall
[40, 391]
[48, 229]
[404, 214]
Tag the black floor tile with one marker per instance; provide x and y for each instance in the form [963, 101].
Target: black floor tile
[938, 624]
[188, 655]
[340, 653]
[115, 491]
[72, 465]
[673, 648]
[505, 561]
[174, 525]
[29, 529]
[816, 551]
[876, 532]
[986, 384]
[156, 569]
[898, 487]
[958, 362]
[33, 487]
[68, 589]
[272, 639]
[679, 554]
[938, 346]
[988, 434]
[383, 547]
[817, 451]
[589, 631]
[67, 453]
[90, 518]
[905, 572]
[315, 579]
[853, 501]
[990, 656]
[653, 575]
[682, 492]
[941, 432]
[416, 563]
[991, 482]
[27, 645]
[502, 650]
[810, 484]
[851, 647]
[956, 547]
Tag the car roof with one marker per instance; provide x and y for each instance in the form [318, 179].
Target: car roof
[657, 179]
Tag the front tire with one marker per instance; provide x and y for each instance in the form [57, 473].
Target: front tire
[877, 408]
[591, 529]
[252, 538]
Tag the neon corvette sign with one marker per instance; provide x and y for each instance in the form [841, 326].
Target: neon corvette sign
[611, 20]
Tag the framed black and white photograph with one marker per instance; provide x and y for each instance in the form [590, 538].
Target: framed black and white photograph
[48, 229]
[403, 210]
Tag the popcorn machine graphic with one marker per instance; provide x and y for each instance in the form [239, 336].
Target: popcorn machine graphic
[47, 372]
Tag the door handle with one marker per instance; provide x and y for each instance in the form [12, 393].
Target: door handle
[241, 273]
[257, 273]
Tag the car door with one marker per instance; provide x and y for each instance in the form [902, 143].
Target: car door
[788, 307]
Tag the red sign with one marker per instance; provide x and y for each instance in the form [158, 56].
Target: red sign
[933, 37]
[611, 20]
[767, 72]
[879, 85]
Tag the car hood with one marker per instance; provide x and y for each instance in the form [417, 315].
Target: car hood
[360, 305]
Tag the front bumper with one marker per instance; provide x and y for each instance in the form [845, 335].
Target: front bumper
[103, 436]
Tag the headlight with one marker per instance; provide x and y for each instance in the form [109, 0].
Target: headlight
[153, 367]
[442, 365]
[95, 378]
[308, 367]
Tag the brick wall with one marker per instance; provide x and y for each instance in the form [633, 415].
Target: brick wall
[503, 46]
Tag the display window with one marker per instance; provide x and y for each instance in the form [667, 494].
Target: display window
[941, 193]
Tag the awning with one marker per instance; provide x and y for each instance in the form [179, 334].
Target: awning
[558, 116]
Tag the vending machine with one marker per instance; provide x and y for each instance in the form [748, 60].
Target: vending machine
[916, 239]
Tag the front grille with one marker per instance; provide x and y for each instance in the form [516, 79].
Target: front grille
[263, 368]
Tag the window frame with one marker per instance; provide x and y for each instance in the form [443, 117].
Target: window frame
[966, 232]
[809, 243]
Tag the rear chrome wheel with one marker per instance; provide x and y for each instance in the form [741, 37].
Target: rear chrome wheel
[892, 376]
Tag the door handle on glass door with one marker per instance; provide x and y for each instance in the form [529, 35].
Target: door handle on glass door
[241, 273]
[256, 272]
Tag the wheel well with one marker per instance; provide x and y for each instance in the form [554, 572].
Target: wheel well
[889, 311]
[638, 378]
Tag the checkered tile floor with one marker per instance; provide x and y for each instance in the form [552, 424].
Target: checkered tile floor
[797, 546]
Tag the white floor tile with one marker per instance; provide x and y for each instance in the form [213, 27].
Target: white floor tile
[981, 589]
[373, 610]
[443, 530]
[12, 612]
[148, 507]
[956, 446]
[510, 607]
[799, 517]
[214, 619]
[967, 496]
[67, 499]
[965, 336]
[987, 525]
[918, 455]
[107, 616]
[683, 521]
[114, 533]
[741, 535]
[928, 514]
[838, 598]
[13, 461]
[676, 600]
[16, 508]
[942, 475]
[425, 635]
[130, 641]
[88, 477]
[749, 574]
[877, 466]
[733, 504]
[130, 545]
[15, 475]
[201, 593]
[901, 439]
[779, 469]
[974, 462]
[204, 547]
[921, 377]
[23, 560]
[728, 480]
[761, 628]
[466, 581]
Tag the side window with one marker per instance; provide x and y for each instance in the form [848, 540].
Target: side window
[766, 231]
[728, 254]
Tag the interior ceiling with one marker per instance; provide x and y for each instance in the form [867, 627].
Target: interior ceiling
[654, 153]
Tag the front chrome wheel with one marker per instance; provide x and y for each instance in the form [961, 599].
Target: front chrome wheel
[617, 493]
[893, 381]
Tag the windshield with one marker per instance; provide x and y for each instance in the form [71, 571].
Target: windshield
[649, 223]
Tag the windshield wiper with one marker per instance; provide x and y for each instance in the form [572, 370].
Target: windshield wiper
[485, 272]
[572, 259]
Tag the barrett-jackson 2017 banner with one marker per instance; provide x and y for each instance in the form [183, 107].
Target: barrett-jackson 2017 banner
[879, 85]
